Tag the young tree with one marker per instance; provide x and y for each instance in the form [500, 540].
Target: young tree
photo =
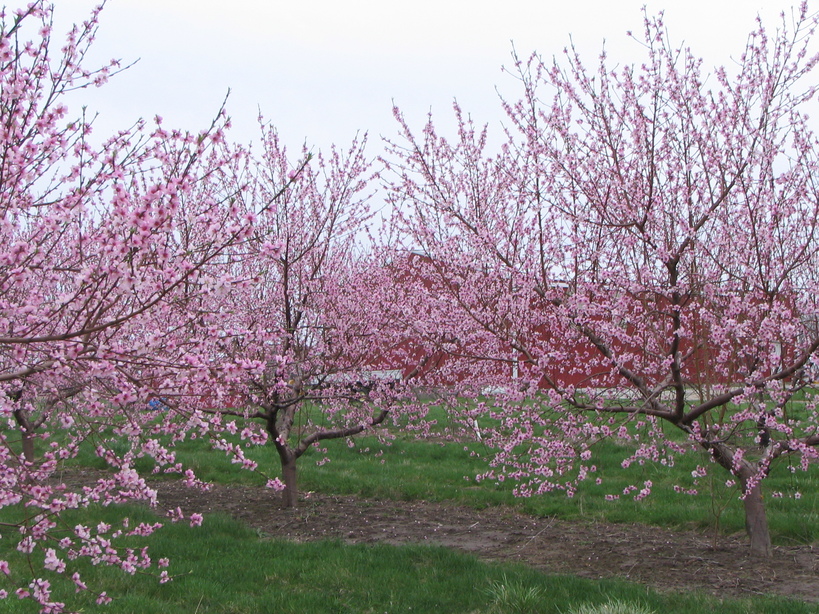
[102, 247]
[304, 353]
[644, 247]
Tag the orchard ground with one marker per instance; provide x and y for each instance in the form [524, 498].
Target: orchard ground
[588, 544]
[662, 559]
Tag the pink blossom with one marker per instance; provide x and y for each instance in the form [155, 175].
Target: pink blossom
[80, 585]
[176, 515]
[52, 562]
[276, 484]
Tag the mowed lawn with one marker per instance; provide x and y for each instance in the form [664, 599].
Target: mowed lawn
[404, 468]
[227, 567]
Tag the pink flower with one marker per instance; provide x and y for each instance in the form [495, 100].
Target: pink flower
[176, 515]
[103, 598]
[276, 484]
[75, 577]
[272, 250]
[52, 562]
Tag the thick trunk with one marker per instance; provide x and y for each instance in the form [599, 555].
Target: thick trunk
[28, 446]
[290, 494]
[26, 432]
[287, 456]
[756, 523]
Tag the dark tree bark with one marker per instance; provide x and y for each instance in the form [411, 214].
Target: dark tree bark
[756, 522]
[290, 494]
[28, 446]
[289, 455]
[27, 429]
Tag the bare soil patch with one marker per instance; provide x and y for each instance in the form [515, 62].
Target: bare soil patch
[662, 559]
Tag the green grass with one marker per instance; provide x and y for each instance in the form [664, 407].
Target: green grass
[612, 607]
[407, 469]
[225, 567]
[422, 470]
[437, 472]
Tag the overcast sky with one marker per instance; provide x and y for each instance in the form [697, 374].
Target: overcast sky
[321, 70]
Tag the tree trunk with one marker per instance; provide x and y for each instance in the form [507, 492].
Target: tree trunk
[290, 494]
[287, 456]
[756, 522]
[26, 432]
[28, 446]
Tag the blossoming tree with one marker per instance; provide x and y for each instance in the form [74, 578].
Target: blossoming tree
[168, 270]
[311, 350]
[102, 246]
[642, 251]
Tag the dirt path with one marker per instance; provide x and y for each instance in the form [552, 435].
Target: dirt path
[680, 560]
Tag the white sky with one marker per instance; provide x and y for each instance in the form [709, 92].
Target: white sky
[321, 70]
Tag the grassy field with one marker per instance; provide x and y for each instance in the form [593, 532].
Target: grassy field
[407, 469]
[229, 568]
[226, 568]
